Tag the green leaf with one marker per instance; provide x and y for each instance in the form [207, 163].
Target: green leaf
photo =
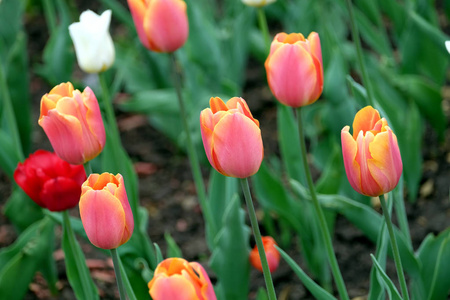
[21, 210]
[229, 258]
[152, 102]
[8, 154]
[172, 248]
[159, 256]
[392, 290]
[316, 290]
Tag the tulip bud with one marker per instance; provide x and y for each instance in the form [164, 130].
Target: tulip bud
[162, 25]
[105, 212]
[258, 3]
[272, 254]
[176, 278]
[371, 156]
[50, 181]
[231, 137]
[93, 44]
[73, 123]
[294, 69]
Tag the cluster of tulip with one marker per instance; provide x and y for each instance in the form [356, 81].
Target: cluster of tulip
[231, 138]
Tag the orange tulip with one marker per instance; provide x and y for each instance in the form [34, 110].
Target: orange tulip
[294, 69]
[73, 123]
[371, 156]
[231, 137]
[178, 279]
[272, 255]
[162, 25]
[105, 212]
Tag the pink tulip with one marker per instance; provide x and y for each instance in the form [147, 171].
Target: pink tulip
[294, 69]
[162, 25]
[371, 156]
[272, 255]
[231, 137]
[73, 123]
[105, 211]
[178, 279]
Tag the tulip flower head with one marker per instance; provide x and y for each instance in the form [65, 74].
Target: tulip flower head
[447, 45]
[162, 25]
[258, 3]
[93, 44]
[178, 279]
[231, 137]
[294, 69]
[73, 123]
[371, 155]
[272, 255]
[105, 212]
[50, 181]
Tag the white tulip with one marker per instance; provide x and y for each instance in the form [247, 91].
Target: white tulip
[93, 44]
[258, 3]
[447, 45]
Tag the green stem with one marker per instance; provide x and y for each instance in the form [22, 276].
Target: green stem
[87, 168]
[195, 166]
[401, 214]
[262, 21]
[320, 215]
[85, 282]
[109, 110]
[395, 252]
[116, 262]
[359, 54]
[10, 115]
[50, 17]
[128, 287]
[258, 239]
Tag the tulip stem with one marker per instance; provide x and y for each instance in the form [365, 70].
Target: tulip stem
[195, 166]
[258, 239]
[359, 54]
[110, 116]
[262, 21]
[395, 252]
[116, 262]
[320, 215]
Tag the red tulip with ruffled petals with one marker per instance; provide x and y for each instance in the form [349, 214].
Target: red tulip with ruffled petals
[50, 181]
[231, 137]
[371, 155]
[178, 279]
[73, 123]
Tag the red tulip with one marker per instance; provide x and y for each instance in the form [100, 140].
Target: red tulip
[50, 181]
[105, 211]
[272, 255]
[162, 25]
[231, 137]
[371, 156]
[178, 279]
[294, 69]
[73, 123]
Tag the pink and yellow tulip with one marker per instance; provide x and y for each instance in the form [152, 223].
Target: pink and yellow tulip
[294, 69]
[231, 137]
[176, 278]
[162, 25]
[272, 255]
[73, 123]
[371, 155]
[105, 212]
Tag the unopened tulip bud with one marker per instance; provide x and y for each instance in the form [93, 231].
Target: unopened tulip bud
[272, 255]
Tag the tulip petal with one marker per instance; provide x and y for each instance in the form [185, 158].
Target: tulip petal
[369, 186]
[349, 149]
[60, 193]
[207, 290]
[137, 9]
[238, 145]
[206, 128]
[365, 120]
[292, 75]
[175, 287]
[386, 165]
[103, 218]
[217, 104]
[315, 47]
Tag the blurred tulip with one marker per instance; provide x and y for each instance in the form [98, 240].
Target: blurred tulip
[447, 45]
[93, 44]
[50, 181]
[272, 255]
[231, 137]
[371, 156]
[105, 211]
[258, 3]
[294, 69]
[178, 279]
[73, 123]
[162, 25]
